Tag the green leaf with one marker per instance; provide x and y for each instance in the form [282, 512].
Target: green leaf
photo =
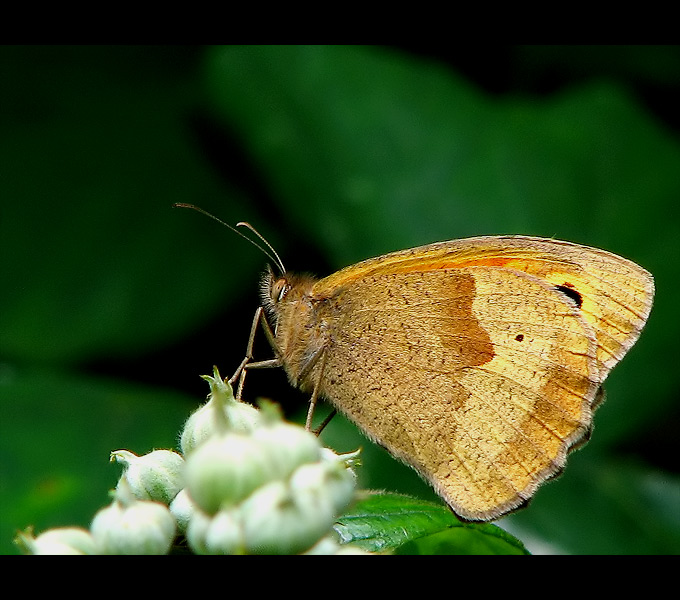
[382, 522]
[605, 505]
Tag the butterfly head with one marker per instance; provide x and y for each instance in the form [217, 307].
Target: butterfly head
[273, 291]
[284, 293]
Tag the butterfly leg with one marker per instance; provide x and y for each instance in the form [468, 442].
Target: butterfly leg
[260, 320]
[246, 363]
[326, 421]
[321, 354]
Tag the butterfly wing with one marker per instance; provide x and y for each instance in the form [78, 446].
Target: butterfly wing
[479, 374]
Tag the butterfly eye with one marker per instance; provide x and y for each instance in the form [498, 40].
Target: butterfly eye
[279, 290]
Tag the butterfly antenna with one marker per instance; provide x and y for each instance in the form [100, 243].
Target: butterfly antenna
[274, 256]
[269, 252]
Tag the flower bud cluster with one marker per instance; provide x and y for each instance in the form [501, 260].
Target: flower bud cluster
[246, 482]
[256, 484]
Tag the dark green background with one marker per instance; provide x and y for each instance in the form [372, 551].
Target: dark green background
[112, 303]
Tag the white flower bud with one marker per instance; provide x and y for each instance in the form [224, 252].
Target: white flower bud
[310, 491]
[350, 459]
[154, 476]
[207, 420]
[340, 478]
[197, 530]
[182, 508]
[226, 469]
[60, 540]
[324, 547]
[275, 521]
[224, 534]
[217, 534]
[131, 526]
[288, 445]
[329, 546]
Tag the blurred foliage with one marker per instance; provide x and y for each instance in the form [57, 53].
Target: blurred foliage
[112, 303]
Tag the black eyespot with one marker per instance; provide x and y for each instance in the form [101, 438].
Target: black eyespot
[568, 290]
[519, 337]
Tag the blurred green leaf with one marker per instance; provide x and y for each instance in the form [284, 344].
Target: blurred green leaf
[56, 434]
[382, 522]
[656, 64]
[615, 507]
[351, 138]
[93, 260]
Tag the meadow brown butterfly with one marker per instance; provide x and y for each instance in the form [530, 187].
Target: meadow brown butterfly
[478, 362]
